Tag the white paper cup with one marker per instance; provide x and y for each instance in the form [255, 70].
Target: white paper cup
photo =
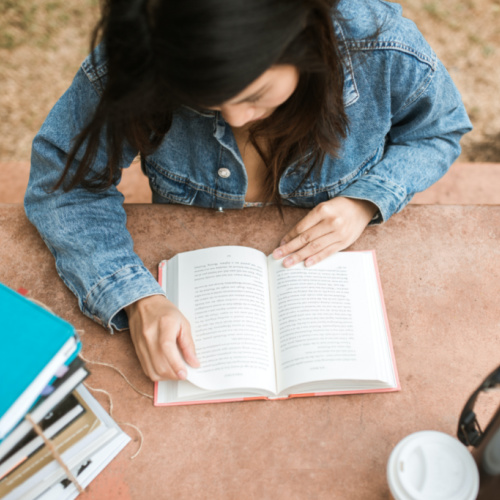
[431, 465]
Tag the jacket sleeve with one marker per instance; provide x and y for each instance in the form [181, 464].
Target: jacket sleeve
[85, 231]
[427, 123]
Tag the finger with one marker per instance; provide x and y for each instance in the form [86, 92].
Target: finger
[310, 220]
[169, 361]
[325, 252]
[309, 238]
[144, 358]
[186, 346]
[312, 249]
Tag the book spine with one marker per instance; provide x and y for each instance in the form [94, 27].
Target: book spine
[24, 402]
[42, 409]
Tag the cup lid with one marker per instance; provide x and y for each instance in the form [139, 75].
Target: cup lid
[431, 465]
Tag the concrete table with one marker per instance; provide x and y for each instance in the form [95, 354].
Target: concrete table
[440, 272]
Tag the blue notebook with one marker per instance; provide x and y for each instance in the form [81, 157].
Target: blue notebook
[34, 344]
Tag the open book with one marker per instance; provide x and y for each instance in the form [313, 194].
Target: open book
[264, 331]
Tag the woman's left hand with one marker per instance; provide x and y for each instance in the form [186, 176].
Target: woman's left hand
[328, 228]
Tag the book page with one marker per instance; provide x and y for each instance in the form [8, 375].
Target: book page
[322, 322]
[223, 292]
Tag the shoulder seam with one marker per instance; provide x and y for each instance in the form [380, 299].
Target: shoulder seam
[94, 74]
[370, 45]
[420, 91]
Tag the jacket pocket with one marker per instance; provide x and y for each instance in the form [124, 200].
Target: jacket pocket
[356, 173]
[172, 187]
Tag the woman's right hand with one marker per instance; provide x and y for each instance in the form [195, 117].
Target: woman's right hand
[161, 337]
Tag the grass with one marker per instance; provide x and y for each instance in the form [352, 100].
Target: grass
[36, 22]
[42, 43]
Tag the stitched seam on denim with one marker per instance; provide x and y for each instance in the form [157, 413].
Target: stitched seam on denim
[291, 169]
[329, 187]
[81, 303]
[174, 177]
[183, 200]
[211, 192]
[198, 187]
[216, 121]
[227, 196]
[233, 154]
[347, 60]
[205, 115]
[85, 300]
[219, 162]
[424, 86]
[403, 203]
[96, 83]
[362, 46]
[383, 181]
[389, 186]
[94, 73]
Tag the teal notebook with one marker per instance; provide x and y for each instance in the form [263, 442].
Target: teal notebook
[34, 344]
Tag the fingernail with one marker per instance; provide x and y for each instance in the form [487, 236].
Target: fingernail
[181, 374]
[308, 263]
[288, 261]
[277, 254]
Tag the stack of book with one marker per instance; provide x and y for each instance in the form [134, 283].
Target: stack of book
[41, 379]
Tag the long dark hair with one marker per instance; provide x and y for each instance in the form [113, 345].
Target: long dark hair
[162, 54]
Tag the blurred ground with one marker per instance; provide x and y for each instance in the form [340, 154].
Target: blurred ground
[466, 37]
[42, 43]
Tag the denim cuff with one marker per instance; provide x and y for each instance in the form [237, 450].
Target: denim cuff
[105, 302]
[387, 196]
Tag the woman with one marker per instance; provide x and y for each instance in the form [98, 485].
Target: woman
[338, 106]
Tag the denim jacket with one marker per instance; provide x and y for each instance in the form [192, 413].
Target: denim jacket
[406, 119]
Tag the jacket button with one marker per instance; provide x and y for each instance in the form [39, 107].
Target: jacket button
[224, 173]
